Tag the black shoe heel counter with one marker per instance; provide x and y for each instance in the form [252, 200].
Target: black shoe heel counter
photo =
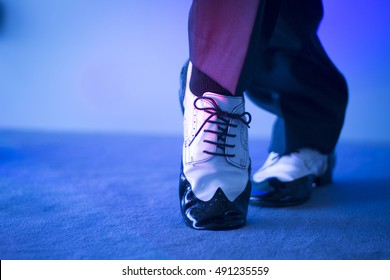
[327, 177]
[183, 82]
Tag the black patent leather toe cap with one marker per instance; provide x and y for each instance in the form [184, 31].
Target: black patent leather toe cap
[219, 213]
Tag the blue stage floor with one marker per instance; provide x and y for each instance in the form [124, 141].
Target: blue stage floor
[112, 196]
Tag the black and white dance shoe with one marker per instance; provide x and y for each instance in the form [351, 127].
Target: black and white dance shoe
[286, 180]
[215, 183]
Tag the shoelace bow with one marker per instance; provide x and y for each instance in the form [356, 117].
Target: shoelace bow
[223, 123]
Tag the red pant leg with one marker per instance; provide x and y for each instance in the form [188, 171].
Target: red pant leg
[219, 36]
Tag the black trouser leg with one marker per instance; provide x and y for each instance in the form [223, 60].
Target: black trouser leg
[295, 79]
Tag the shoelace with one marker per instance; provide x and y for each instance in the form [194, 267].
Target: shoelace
[223, 123]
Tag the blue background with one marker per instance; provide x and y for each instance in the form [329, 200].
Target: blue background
[113, 65]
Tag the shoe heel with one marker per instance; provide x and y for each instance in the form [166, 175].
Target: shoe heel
[327, 177]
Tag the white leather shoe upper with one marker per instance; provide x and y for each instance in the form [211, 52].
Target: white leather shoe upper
[209, 160]
[292, 166]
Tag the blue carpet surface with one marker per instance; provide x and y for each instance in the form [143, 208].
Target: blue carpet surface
[112, 196]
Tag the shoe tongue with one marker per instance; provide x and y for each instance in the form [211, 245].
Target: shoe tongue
[225, 103]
